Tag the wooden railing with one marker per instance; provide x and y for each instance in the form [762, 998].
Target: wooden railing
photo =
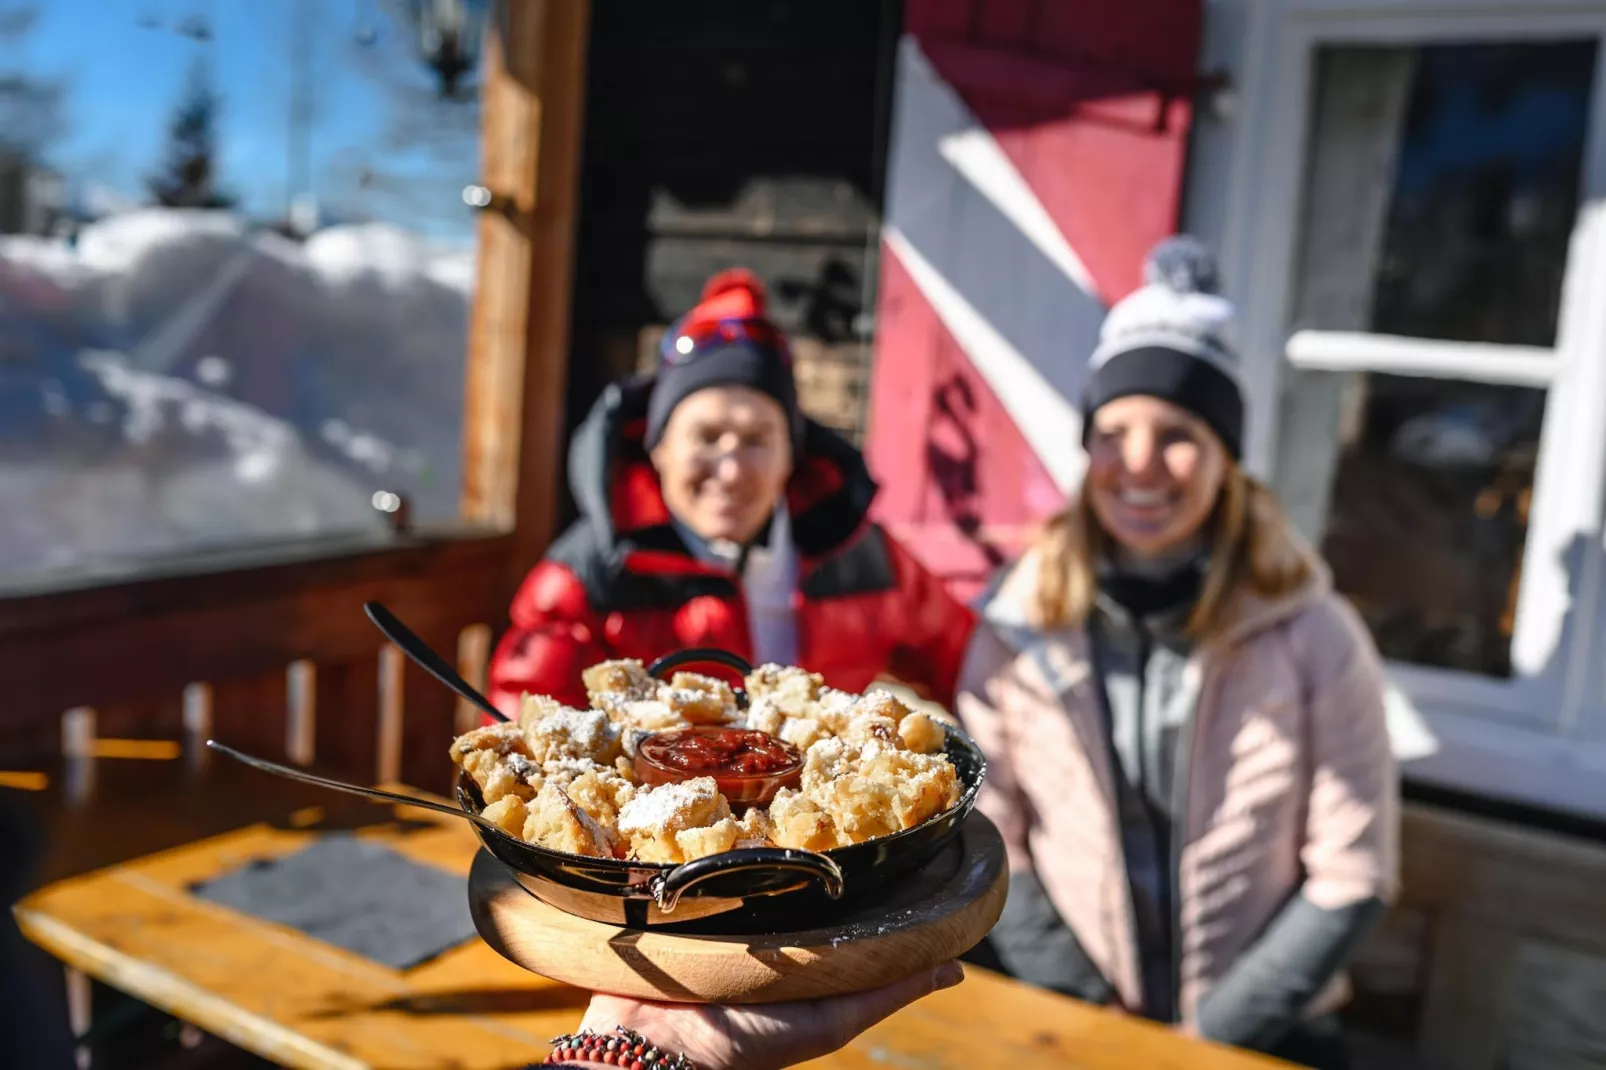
[274, 657]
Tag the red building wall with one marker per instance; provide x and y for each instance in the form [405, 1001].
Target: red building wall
[1038, 149]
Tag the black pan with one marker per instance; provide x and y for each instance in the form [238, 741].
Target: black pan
[752, 889]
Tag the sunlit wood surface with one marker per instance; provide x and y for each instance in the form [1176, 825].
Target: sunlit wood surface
[304, 1003]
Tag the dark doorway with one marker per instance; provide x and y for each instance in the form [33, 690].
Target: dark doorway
[726, 132]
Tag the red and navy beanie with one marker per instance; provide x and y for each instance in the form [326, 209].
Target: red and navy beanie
[727, 340]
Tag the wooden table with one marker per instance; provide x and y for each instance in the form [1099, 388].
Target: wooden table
[306, 1004]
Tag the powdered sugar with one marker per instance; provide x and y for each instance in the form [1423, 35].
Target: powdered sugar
[878, 704]
[570, 768]
[684, 696]
[833, 701]
[802, 732]
[828, 749]
[631, 740]
[650, 714]
[655, 810]
[763, 715]
[588, 729]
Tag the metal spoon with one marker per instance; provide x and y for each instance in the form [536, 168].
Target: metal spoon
[431, 662]
[351, 789]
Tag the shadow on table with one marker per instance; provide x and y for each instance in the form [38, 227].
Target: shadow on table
[351, 818]
[137, 808]
[471, 1001]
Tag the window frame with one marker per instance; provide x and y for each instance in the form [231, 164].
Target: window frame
[1558, 626]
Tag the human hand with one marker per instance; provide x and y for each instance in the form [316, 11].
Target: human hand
[763, 1036]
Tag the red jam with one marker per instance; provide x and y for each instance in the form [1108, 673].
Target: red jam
[748, 766]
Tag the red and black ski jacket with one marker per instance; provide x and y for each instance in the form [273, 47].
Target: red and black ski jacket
[621, 583]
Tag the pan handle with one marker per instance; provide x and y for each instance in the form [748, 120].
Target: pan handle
[773, 869]
[701, 655]
[704, 655]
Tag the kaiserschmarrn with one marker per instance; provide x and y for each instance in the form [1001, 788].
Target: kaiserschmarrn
[564, 778]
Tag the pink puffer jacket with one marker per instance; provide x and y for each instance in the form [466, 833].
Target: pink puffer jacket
[1291, 781]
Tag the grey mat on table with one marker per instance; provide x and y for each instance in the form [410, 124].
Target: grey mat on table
[356, 895]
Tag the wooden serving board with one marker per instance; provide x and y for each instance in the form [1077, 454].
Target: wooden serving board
[932, 917]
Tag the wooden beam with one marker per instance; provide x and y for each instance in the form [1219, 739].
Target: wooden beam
[221, 579]
[533, 97]
[145, 639]
[1545, 885]
[392, 669]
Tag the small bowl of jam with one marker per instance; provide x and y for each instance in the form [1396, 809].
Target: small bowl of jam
[748, 766]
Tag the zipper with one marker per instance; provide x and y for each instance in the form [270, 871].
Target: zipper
[1112, 760]
[1145, 651]
[1182, 776]
[1173, 898]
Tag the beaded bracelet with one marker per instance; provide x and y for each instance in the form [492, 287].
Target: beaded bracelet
[623, 1047]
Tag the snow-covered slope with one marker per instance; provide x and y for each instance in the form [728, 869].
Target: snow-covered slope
[176, 378]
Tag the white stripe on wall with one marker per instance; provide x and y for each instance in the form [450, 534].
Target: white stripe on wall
[1050, 424]
[976, 155]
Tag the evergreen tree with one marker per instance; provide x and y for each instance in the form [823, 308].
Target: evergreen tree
[188, 178]
[31, 107]
[424, 147]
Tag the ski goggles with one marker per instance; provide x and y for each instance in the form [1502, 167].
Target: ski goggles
[684, 343]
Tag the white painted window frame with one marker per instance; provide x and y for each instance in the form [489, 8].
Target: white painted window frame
[1546, 703]
[1357, 351]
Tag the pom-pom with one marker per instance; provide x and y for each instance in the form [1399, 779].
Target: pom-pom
[1182, 265]
[1178, 306]
[738, 280]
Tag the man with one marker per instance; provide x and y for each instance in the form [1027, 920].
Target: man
[714, 514]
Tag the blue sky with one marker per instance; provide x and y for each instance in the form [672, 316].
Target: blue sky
[125, 77]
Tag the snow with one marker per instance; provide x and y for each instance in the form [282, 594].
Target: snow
[99, 201]
[122, 244]
[177, 377]
[44, 257]
[370, 451]
[344, 255]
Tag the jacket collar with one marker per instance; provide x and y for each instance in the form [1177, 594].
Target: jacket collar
[1059, 661]
[1006, 608]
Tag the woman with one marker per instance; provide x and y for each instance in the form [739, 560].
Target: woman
[714, 514]
[1184, 723]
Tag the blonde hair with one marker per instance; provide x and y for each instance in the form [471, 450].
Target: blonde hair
[1253, 547]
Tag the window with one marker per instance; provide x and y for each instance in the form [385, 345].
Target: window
[1442, 186]
[1415, 227]
[1487, 142]
[235, 272]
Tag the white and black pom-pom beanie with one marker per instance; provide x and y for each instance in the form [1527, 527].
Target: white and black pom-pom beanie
[1170, 339]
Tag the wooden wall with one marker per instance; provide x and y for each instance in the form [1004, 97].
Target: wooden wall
[1495, 956]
